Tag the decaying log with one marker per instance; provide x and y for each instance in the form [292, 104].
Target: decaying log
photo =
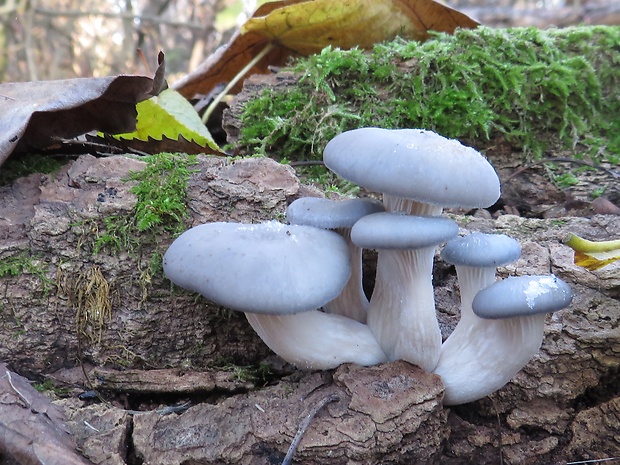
[562, 407]
[51, 223]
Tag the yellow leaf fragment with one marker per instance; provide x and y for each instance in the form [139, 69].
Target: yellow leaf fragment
[310, 26]
[593, 255]
[169, 115]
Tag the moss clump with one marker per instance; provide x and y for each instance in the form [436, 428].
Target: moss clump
[24, 262]
[12, 266]
[161, 207]
[18, 166]
[536, 88]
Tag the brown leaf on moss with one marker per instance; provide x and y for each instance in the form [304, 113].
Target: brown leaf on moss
[309, 27]
[294, 27]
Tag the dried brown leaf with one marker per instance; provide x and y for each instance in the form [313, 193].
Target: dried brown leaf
[33, 115]
[152, 146]
[306, 26]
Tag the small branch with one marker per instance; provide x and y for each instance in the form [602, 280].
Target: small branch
[240, 75]
[500, 443]
[304, 426]
[23, 397]
[609, 459]
[28, 44]
[306, 163]
[163, 411]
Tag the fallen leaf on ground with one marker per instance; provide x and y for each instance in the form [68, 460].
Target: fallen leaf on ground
[303, 27]
[594, 255]
[309, 27]
[171, 117]
[36, 115]
[32, 429]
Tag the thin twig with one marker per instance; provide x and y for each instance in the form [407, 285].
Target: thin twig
[28, 45]
[22, 396]
[240, 75]
[91, 427]
[306, 163]
[500, 444]
[106, 14]
[164, 410]
[593, 461]
[304, 426]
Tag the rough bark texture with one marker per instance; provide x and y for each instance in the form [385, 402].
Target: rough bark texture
[564, 406]
[384, 414]
[53, 222]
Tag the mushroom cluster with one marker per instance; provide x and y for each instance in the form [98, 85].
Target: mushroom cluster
[300, 284]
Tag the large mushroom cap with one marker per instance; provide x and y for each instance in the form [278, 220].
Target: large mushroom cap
[330, 214]
[387, 230]
[522, 296]
[260, 268]
[481, 250]
[415, 164]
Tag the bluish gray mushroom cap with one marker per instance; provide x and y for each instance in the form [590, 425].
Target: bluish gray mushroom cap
[481, 250]
[260, 268]
[522, 296]
[415, 164]
[330, 214]
[387, 230]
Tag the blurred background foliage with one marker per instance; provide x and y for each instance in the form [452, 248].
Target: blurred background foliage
[58, 39]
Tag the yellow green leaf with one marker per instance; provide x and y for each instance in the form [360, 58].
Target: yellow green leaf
[169, 115]
[593, 255]
[307, 27]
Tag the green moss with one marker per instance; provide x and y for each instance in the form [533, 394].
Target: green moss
[162, 193]
[259, 374]
[18, 166]
[538, 89]
[161, 207]
[12, 266]
[49, 386]
[25, 263]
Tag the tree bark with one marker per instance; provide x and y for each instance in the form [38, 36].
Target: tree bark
[563, 406]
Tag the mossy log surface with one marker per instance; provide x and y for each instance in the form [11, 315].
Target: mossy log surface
[537, 89]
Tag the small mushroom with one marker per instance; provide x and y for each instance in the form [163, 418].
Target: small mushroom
[476, 257]
[507, 336]
[278, 275]
[339, 216]
[401, 313]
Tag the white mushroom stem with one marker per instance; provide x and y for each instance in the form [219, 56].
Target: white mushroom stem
[317, 341]
[471, 280]
[484, 356]
[393, 203]
[401, 313]
[481, 356]
[352, 301]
